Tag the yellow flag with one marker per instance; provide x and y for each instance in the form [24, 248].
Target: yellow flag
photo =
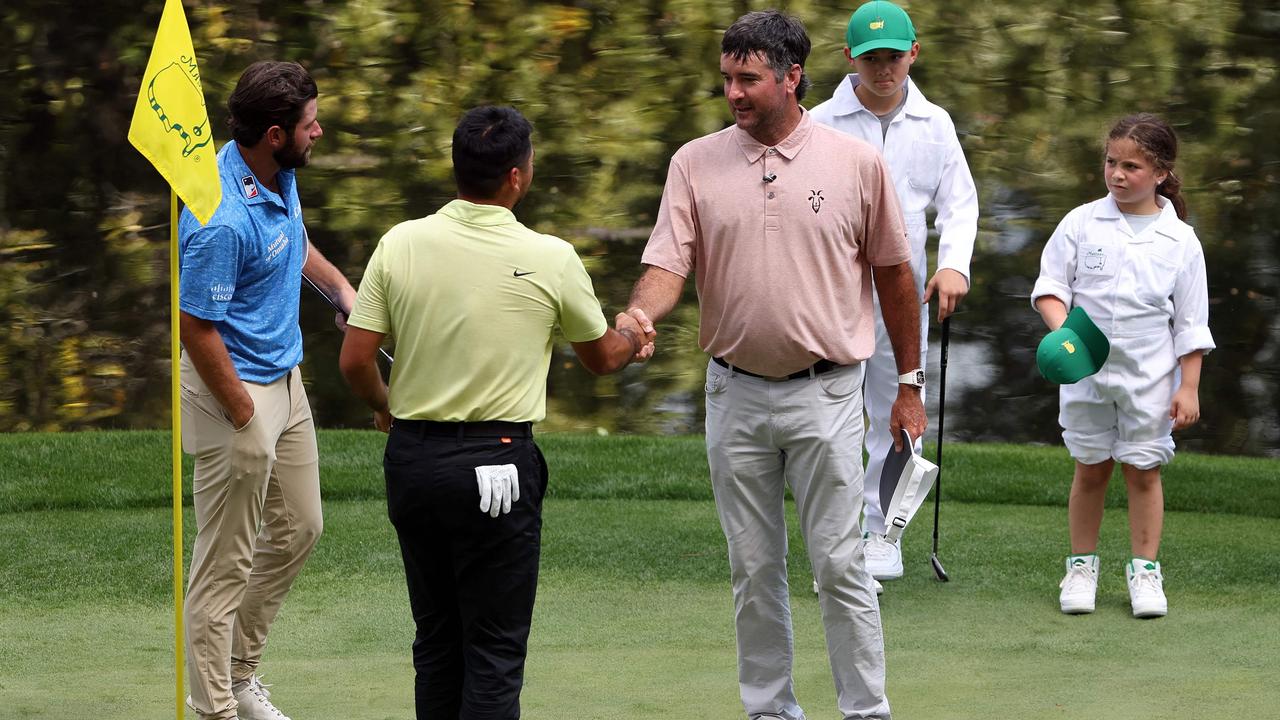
[170, 124]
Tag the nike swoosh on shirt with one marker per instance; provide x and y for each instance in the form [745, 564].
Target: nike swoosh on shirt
[517, 273]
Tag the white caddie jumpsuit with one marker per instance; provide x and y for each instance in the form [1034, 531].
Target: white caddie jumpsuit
[1148, 294]
[928, 168]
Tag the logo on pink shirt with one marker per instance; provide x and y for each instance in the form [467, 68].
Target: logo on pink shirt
[815, 200]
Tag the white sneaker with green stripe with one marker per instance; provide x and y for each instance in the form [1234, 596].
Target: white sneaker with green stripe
[1080, 586]
[1146, 588]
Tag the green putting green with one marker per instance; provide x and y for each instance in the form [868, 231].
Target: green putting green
[634, 615]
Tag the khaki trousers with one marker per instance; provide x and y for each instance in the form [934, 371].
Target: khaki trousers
[257, 507]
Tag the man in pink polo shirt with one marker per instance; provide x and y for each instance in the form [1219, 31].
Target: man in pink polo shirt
[786, 222]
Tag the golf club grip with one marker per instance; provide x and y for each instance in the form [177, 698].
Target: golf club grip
[942, 385]
[322, 294]
[942, 404]
[337, 309]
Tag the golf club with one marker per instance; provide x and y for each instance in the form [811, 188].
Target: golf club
[937, 486]
[334, 305]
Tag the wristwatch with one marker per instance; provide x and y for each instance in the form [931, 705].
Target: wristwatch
[915, 378]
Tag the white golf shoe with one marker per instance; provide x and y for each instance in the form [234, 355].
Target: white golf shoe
[884, 558]
[1146, 588]
[252, 703]
[1080, 586]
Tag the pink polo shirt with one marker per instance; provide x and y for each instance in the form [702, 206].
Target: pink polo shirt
[783, 267]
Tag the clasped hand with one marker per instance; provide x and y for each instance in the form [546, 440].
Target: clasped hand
[639, 325]
[499, 487]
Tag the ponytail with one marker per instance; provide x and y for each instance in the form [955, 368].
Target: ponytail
[1171, 188]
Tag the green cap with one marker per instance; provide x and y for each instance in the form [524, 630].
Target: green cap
[879, 24]
[1074, 351]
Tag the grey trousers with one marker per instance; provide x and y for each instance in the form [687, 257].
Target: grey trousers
[807, 433]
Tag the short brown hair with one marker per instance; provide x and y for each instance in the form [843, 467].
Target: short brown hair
[780, 38]
[268, 93]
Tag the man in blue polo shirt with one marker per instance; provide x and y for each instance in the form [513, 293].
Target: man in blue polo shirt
[245, 415]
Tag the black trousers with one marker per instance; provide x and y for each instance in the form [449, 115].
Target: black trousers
[472, 578]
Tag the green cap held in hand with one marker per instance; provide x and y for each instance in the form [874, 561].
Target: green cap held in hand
[1074, 351]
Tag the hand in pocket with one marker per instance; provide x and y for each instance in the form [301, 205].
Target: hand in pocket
[252, 452]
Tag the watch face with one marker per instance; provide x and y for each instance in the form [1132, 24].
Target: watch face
[920, 378]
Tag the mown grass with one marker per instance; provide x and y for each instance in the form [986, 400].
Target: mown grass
[100, 470]
[634, 616]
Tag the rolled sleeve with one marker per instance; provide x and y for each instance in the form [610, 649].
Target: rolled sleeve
[1191, 307]
[211, 260]
[1057, 264]
[1045, 287]
[673, 243]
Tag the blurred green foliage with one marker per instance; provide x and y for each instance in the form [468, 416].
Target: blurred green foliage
[613, 89]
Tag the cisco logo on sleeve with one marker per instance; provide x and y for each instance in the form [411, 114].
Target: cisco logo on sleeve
[221, 293]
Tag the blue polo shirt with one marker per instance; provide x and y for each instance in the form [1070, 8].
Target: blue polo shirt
[243, 270]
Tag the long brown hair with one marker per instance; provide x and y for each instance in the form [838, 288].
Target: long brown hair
[1160, 144]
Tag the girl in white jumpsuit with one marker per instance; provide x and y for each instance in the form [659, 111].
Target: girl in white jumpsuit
[1138, 270]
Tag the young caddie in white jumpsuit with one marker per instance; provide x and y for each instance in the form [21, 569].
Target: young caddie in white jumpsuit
[1147, 293]
[928, 167]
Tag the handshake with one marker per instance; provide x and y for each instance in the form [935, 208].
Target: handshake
[636, 327]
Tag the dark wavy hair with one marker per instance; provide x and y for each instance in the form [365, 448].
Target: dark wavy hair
[487, 143]
[268, 93]
[1160, 144]
[780, 38]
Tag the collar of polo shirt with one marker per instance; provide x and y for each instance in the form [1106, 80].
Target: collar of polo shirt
[788, 148]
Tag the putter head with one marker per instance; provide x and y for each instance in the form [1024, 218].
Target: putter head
[937, 568]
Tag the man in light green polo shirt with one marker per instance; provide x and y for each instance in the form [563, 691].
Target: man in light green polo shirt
[472, 298]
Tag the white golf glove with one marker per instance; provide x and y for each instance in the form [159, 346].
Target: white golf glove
[499, 487]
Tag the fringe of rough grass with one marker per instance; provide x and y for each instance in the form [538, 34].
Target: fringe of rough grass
[123, 469]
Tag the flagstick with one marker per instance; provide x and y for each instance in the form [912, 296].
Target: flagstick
[191, 172]
[176, 443]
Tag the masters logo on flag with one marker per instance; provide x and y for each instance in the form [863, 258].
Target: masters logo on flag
[170, 124]
[178, 87]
